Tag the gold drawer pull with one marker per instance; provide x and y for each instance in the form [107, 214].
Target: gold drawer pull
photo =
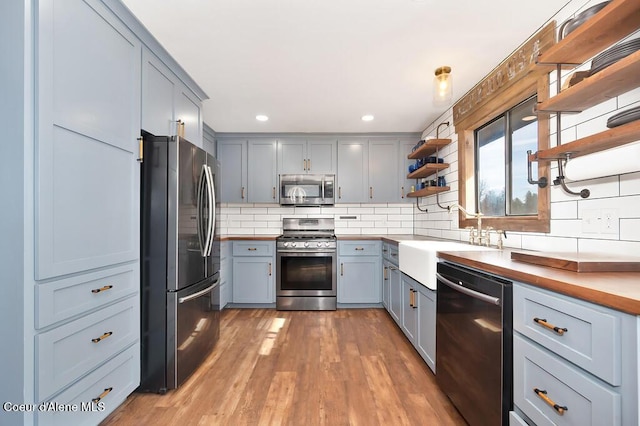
[359, 248]
[102, 395]
[101, 338]
[105, 288]
[269, 268]
[342, 269]
[252, 249]
[543, 395]
[543, 322]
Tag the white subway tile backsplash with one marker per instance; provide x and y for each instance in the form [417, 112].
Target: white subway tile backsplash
[630, 184]
[612, 248]
[630, 229]
[387, 210]
[549, 244]
[360, 210]
[564, 210]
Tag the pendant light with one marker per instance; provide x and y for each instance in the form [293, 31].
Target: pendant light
[442, 86]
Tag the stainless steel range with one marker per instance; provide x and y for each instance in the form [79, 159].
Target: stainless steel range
[306, 273]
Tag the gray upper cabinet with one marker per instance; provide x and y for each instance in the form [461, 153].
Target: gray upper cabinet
[307, 156]
[232, 154]
[352, 171]
[165, 100]
[262, 173]
[88, 107]
[405, 184]
[383, 172]
[209, 139]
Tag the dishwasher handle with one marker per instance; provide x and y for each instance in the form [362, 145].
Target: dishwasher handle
[475, 294]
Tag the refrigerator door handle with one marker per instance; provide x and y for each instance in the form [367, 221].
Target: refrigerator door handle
[199, 293]
[212, 210]
[201, 237]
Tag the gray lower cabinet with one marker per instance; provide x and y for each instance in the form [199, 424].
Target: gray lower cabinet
[426, 338]
[575, 362]
[232, 154]
[226, 273]
[253, 272]
[262, 173]
[409, 308]
[359, 272]
[395, 294]
[385, 283]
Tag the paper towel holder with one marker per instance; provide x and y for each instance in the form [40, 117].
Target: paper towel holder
[584, 193]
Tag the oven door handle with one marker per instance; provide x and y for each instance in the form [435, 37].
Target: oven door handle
[305, 252]
[475, 294]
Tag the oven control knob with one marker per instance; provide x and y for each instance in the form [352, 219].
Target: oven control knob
[326, 244]
[306, 244]
[319, 244]
[287, 244]
[293, 244]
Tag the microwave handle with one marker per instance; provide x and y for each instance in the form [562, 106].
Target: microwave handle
[323, 188]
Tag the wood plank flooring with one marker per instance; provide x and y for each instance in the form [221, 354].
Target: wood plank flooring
[344, 367]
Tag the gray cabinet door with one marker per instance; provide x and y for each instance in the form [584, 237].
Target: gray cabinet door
[232, 155]
[352, 171]
[426, 342]
[403, 164]
[383, 172]
[292, 156]
[253, 280]
[88, 118]
[322, 156]
[409, 308]
[262, 171]
[359, 279]
[158, 92]
[395, 294]
[188, 111]
[385, 284]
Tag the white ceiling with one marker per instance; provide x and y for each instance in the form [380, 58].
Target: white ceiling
[319, 65]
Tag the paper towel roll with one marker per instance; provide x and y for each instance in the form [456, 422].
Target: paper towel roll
[614, 161]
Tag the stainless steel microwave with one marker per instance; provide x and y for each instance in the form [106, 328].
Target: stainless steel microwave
[307, 190]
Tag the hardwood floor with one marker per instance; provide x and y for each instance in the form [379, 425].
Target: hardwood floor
[344, 367]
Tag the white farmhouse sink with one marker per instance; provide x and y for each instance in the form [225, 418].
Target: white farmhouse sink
[418, 258]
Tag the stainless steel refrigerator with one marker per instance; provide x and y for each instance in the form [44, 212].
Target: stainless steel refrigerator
[180, 251]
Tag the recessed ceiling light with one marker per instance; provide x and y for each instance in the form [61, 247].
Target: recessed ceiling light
[367, 117]
[529, 118]
[261, 117]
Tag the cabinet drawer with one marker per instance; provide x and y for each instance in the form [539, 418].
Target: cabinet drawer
[592, 340]
[253, 248]
[587, 401]
[225, 249]
[69, 351]
[59, 300]
[120, 374]
[359, 248]
[393, 254]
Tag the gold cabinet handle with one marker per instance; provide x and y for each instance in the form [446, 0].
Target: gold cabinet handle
[101, 338]
[105, 288]
[242, 192]
[371, 192]
[359, 248]
[386, 271]
[340, 192]
[269, 268]
[304, 165]
[140, 149]
[273, 191]
[102, 395]
[342, 269]
[560, 409]
[252, 249]
[415, 302]
[543, 322]
[308, 164]
[402, 192]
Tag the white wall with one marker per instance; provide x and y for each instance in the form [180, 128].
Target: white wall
[619, 194]
[266, 219]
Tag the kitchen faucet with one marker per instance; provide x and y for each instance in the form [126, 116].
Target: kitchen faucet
[478, 236]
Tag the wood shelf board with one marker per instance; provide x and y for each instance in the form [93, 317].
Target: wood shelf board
[427, 170]
[617, 20]
[428, 148]
[580, 262]
[430, 190]
[612, 81]
[611, 138]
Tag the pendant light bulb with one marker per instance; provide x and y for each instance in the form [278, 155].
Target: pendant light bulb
[443, 87]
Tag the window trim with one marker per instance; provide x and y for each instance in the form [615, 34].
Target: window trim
[532, 84]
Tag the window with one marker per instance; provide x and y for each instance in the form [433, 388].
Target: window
[501, 149]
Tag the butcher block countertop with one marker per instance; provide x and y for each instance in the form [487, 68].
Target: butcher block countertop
[617, 290]
[269, 237]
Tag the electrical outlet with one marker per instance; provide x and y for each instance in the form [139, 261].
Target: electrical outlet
[610, 222]
[591, 222]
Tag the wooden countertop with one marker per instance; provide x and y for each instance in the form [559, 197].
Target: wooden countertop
[249, 237]
[617, 290]
[394, 238]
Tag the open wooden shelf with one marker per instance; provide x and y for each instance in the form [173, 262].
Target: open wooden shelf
[612, 81]
[429, 147]
[614, 22]
[427, 170]
[611, 138]
[429, 190]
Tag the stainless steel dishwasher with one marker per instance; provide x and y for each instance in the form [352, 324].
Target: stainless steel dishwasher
[474, 331]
